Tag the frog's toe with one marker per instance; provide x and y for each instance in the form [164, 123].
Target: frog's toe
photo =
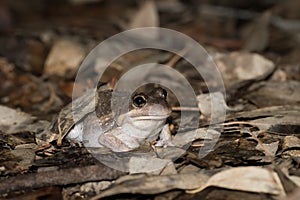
[74, 142]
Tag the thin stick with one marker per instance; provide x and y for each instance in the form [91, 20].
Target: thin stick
[193, 109]
[237, 122]
[59, 140]
[177, 57]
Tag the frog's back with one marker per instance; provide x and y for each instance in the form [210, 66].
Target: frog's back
[75, 112]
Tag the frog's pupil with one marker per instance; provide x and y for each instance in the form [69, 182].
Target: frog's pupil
[139, 101]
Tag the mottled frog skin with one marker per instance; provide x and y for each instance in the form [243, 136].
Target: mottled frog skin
[144, 121]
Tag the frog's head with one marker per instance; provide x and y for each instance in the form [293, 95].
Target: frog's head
[147, 109]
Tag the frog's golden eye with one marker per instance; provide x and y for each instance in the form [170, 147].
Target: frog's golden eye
[139, 101]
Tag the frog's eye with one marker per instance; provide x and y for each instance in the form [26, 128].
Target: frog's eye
[164, 94]
[139, 101]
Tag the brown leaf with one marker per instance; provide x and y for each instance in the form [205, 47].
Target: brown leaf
[64, 57]
[257, 33]
[146, 16]
[155, 184]
[250, 179]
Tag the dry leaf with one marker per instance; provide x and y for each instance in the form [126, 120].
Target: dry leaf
[15, 121]
[273, 93]
[268, 123]
[12, 118]
[146, 16]
[95, 186]
[154, 184]
[249, 179]
[290, 142]
[256, 34]
[64, 58]
[147, 165]
[268, 149]
[266, 112]
[170, 153]
[294, 196]
[240, 66]
[182, 139]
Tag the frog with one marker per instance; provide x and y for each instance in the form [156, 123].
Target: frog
[144, 121]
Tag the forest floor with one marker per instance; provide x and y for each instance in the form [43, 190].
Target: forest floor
[238, 138]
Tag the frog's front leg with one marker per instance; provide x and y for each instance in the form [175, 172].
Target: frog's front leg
[165, 137]
[117, 140]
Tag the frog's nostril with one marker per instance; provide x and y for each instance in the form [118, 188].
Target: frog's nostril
[160, 92]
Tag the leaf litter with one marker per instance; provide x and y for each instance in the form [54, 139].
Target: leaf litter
[255, 50]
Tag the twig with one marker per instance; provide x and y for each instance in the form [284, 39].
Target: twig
[59, 140]
[177, 57]
[193, 109]
[51, 98]
[59, 177]
[236, 122]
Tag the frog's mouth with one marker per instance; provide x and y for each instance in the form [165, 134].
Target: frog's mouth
[151, 117]
[140, 118]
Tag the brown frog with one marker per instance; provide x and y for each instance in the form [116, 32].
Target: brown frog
[144, 121]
